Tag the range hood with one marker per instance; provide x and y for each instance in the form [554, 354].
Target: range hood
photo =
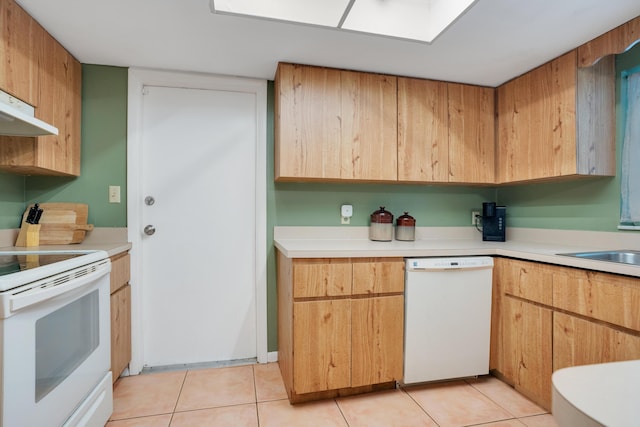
[17, 118]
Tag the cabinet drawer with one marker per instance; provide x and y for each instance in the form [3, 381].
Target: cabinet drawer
[120, 271]
[528, 280]
[607, 297]
[377, 275]
[321, 277]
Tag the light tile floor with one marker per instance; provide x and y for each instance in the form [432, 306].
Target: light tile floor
[254, 395]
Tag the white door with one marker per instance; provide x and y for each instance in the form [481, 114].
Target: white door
[197, 201]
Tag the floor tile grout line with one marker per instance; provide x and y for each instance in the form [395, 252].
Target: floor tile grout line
[506, 409]
[175, 406]
[335, 400]
[419, 406]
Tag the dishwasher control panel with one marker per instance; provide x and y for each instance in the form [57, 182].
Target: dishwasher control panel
[448, 263]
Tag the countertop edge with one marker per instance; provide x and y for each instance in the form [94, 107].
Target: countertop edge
[520, 249]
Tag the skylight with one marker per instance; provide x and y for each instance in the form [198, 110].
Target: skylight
[421, 20]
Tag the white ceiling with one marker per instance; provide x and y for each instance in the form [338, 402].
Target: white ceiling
[493, 42]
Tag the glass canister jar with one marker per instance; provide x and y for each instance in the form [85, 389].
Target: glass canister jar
[381, 227]
[406, 228]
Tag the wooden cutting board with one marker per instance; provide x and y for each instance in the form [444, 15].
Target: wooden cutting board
[60, 224]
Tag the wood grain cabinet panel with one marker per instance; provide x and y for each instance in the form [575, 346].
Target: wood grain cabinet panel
[557, 121]
[322, 277]
[582, 342]
[334, 125]
[20, 49]
[423, 131]
[377, 340]
[529, 280]
[471, 134]
[120, 330]
[54, 88]
[607, 297]
[378, 275]
[527, 347]
[322, 345]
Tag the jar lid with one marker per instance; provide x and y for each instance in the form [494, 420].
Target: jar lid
[382, 216]
[406, 220]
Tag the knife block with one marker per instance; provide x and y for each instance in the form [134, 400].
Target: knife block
[29, 235]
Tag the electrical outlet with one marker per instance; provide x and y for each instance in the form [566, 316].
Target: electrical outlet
[475, 220]
[114, 194]
[346, 212]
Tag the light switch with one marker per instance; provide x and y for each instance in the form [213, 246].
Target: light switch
[114, 194]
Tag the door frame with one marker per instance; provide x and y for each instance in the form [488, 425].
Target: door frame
[137, 79]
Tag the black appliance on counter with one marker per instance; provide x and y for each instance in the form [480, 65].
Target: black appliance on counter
[493, 222]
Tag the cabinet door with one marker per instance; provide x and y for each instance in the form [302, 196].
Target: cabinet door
[527, 341]
[322, 345]
[423, 131]
[537, 122]
[581, 342]
[321, 277]
[471, 134]
[497, 297]
[334, 125]
[120, 330]
[369, 127]
[377, 275]
[20, 49]
[307, 126]
[377, 340]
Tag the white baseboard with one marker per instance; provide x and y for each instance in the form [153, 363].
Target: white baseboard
[272, 356]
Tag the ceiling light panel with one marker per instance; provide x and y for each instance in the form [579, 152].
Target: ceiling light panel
[325, 12]
[410, 19]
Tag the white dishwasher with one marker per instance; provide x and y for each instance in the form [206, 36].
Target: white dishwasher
[447, 318]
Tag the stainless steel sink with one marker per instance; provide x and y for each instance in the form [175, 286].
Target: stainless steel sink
[619, 256]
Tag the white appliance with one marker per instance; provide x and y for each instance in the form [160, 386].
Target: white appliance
[55, 338]
[447, 318]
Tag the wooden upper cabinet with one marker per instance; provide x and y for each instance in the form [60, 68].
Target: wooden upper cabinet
[423, 130]
[334, 125]
[557, 121]
[445, 132]
[39, 71]
[471, 134]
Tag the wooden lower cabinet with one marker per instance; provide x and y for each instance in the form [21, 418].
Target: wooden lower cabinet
[120, 314]
[527, 347]
[339, 345]
[120, 330]
[548, 317]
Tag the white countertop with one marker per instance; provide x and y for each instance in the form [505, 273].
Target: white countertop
[607, 393]
[111, 240]
[528, 244]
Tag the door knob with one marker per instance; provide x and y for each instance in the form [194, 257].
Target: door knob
[149, 230]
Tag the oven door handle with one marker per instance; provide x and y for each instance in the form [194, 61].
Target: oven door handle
[38, 295]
